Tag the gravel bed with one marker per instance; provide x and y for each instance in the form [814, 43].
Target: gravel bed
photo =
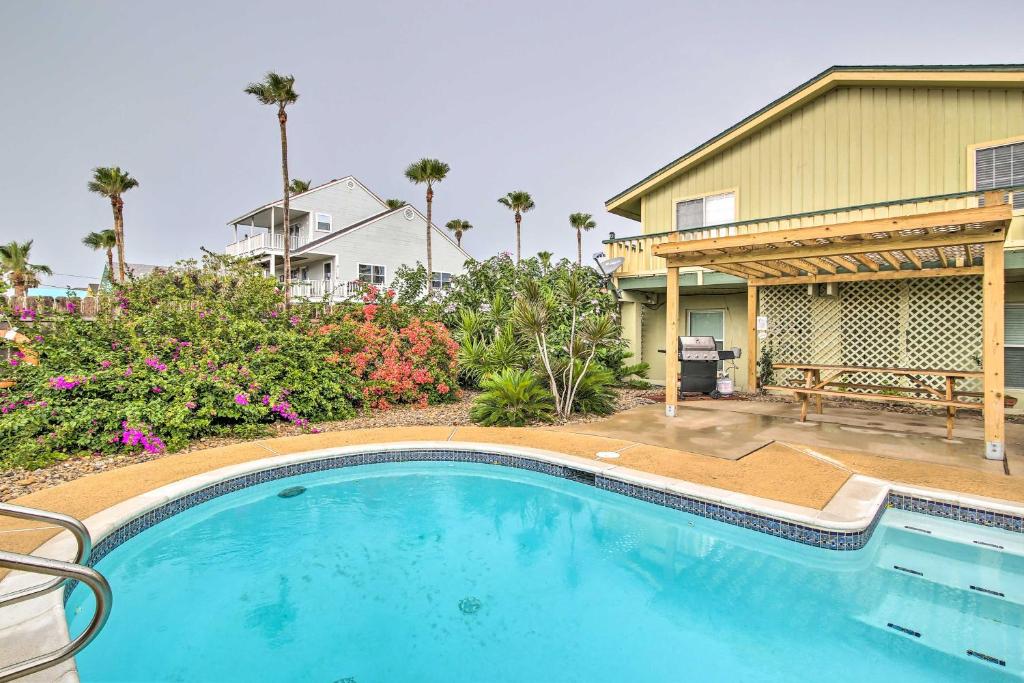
[19, 482]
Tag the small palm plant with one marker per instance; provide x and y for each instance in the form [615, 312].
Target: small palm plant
[511, 398]
[298, 186]
[458, 227]
[428, 172]
[519, 201]
[395, 203]
[106, 240]
[279, 91]
[545, 261]
[581, 222]
[112, 182]
[565, 361]
[14, 258]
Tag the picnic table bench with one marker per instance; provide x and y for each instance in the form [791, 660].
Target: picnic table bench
[921, 393]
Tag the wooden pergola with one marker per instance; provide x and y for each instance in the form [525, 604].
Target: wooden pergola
[961, 242]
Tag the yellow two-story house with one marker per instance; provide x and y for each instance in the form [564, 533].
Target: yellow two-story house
[852, 143]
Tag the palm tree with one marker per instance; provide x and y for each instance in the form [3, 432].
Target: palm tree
[394, 203]
[581, 222]
[428, 171]
[112, 182]
[298, 186]
[545, 260]
[520, 202]
[104, 239]
[279, 91]
[458, 227]
[22, 274]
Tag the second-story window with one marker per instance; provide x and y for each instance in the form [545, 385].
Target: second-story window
[371, 274]
[714, 209]
[323, 222]
[1001, 166]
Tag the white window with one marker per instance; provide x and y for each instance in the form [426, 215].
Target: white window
[441, 280]
[717, 209]
[1000, 166]
[323, 222]
[371, 274]
[327, 270]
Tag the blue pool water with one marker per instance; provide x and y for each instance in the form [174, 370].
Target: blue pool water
[466, 572]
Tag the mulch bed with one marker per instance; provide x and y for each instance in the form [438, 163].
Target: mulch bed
[19, 482]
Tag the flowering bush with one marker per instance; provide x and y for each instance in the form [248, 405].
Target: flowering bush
[207, 349]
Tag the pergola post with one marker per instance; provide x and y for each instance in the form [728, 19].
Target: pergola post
[992, 350]
[671, 341]
[752, 337]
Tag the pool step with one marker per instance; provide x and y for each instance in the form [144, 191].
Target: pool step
[948, 629]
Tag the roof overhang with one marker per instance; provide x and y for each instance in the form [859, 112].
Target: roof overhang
[627, 202]
[939, 244]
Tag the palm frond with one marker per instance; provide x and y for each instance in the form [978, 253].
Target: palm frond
[275, 89]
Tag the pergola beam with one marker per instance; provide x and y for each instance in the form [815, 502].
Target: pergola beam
[890, 259]
[871, 275]
[869, 263]
[827, 266]
[912, 257]
[998, 213]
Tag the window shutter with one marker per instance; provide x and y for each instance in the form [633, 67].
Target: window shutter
[1001, 167]
[1014, 346]
[690, 215]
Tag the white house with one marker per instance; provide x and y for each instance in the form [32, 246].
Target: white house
[341, 233]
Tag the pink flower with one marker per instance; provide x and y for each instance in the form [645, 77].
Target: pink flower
[241, 400]
[70, 306]
[191, 405]
[155, 363]
[128, 371]
[62, 383]
[156, 390]
[105, 364]
[294, 320]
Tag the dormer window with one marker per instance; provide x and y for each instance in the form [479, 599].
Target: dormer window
[323, 222]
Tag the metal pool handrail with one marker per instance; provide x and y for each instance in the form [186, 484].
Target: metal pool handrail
[62, 571]
[77, 530]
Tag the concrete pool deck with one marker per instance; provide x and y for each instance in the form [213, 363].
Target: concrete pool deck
[788, 473]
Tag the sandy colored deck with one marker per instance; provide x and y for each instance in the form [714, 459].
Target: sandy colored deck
[777, 471]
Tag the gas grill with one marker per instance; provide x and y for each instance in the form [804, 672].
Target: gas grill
[698, 365]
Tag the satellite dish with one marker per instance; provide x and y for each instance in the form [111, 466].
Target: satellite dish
[610, 265]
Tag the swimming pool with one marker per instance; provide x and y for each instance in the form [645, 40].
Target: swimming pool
[435, 571]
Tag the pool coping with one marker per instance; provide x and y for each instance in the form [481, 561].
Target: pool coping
[845, 523]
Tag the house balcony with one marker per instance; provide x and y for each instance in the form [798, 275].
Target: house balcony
[640, 259]
[263, 243]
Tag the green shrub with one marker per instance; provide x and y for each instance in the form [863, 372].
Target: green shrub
[512, 398]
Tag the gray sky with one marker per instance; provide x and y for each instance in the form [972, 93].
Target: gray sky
[570, 101]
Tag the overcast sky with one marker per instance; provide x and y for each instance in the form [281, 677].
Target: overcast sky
[572, 102]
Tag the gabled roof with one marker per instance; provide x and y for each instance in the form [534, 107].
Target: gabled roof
[335, 234]
[627, 202]
[316, 188]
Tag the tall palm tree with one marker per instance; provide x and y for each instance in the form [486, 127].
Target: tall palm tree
[581, 222]
[22, 274]
[394, 203]
[103, 239]
[279, 91]
[112, 182]
[428, 171]
[520, 202]
[298, 186]
[458, 227]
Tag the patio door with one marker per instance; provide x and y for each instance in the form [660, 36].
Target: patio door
[709, 323]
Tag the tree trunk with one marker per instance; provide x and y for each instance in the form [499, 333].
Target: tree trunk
[118, 207]
[282, 118]
[110, 263]
[519, 222]
[579, 247]
[430, 258]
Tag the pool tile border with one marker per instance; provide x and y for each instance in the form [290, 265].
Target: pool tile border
[721, 511]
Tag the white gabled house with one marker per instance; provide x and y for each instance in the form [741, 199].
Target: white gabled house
[342, 234]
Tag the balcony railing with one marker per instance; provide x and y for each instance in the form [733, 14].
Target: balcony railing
[262, 242]
[638, 253]
[333, 290]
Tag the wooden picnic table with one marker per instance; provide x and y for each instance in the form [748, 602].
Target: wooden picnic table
[920, 393]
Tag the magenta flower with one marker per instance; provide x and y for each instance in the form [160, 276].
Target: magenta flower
[132, 436]
[155, 363]
[105, 364]
[63, 383]
[70, 306]
[294, 320]
[128, 371]
[156, 390]
[191, 405]
[241, 400]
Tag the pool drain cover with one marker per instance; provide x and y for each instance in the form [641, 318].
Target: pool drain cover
[292, 491]
[470, 605]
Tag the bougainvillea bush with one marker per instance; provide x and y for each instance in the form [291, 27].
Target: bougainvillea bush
[208, 349]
